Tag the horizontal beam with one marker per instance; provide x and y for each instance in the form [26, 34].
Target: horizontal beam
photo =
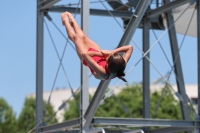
[60, 126]
[106, 131]
[146, 122]
[166, 7]
[179, 124]
[97, 12]
[123, 14]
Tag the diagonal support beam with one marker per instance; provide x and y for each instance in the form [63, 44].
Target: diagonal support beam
[91, 110]
[177, 65]
[134, 23]
[126, 38]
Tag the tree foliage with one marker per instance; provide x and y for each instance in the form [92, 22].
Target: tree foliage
[169, 107]
[7, 118]
[131, 98]
[73, 110]
[27, 121]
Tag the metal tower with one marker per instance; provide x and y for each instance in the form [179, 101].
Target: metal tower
[140, 18]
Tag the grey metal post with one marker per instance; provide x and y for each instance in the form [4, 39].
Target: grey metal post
[198, 48]
[84, 70]
[126, 38]
[39, 66]
[146, 72]
[177, 66]
[198, 55]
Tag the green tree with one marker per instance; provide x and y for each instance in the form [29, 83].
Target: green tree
[169, 107]
[73, 111]
[8, 122]
[131, 97]
[27, 118]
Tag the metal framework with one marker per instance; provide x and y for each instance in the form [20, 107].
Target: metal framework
[146, 72]
[39, 64]
[142, 16]
[84, 70]
[177, 61]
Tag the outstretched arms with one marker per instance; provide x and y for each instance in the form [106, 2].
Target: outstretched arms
[128, 51]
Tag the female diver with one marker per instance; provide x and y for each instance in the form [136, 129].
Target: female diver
[104, 64]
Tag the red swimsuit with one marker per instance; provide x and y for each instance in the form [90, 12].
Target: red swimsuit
[101, 61]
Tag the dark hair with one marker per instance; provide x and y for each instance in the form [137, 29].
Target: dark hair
[117, 64]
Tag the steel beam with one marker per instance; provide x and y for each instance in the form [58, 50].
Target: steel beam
[91, 110]
[84, 70]
[134, 22]
[198, 56]
[124, 14]
[132, 122]
[155, 21]
[60, 126]
[39, 66]
[97, 12]
[177, 64]
[198, 51]
[146, 72]
[106, 131]
[126, 38]
[170, 130]
[145, 122]
[166, 7]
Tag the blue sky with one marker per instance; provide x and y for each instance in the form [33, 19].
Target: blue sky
[18, 52]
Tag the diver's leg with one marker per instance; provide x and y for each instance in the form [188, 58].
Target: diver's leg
[73, 36]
